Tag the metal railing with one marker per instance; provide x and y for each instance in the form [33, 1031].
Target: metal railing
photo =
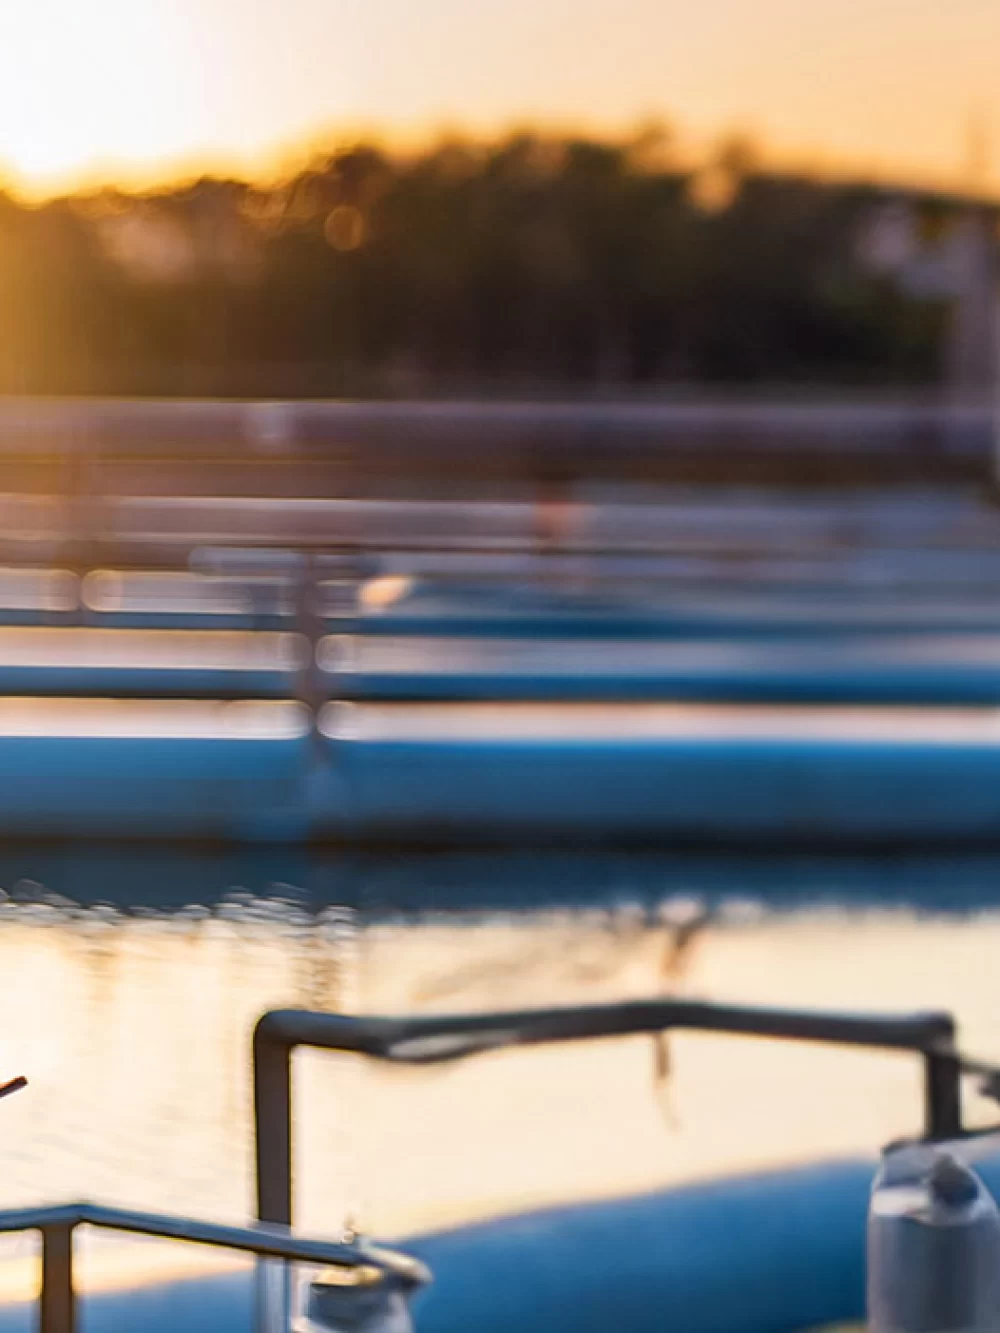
[58, 1299]
[439, 1039]
[578, 431]
[146, 482]
[442, 1038]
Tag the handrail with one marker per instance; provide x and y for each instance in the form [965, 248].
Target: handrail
[57, 1297]
[443, 1038]
[138, 426]
[268, 1242]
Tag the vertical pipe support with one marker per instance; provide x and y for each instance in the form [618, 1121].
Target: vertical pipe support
[57, 1304]
[272, 1091]
[942, 1096]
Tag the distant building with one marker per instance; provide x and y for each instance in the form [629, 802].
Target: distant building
[955, 260]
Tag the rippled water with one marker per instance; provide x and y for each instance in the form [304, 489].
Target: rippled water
[134, 1031]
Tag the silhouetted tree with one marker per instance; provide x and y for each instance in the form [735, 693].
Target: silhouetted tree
[536, 263]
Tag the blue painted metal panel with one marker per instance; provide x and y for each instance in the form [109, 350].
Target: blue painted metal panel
[231, 789]
[891, 685]
[189, 619]
[776, 1253]
[774, 623]
[770, 1254]
[787, 790]
[145, 682]
[687, 789]
[222, 1304]
[491, 609]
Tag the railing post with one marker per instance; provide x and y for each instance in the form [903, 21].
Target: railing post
[272, 1090]
[942, 1096]
[272, 1296]
[312, 686]
[57, 1304]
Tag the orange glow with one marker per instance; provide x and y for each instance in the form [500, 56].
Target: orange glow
[137, 92]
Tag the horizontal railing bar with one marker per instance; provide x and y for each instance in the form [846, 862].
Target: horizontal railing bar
[438, 556]
[890, 687]
[467, 1034]
[440, 1038]
[137, 683]
[323, 535]
[136, 425]
[268, 1242]
[557, 627]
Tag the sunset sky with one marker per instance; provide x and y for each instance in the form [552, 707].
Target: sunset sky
[141, 89]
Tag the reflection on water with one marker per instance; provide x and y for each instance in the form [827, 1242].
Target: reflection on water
[135, 1030]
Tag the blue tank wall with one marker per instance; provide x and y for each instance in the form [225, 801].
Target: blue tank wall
[777, 1253]
[90, 786]
[270, 790]
[781, 1252]
[771, 789]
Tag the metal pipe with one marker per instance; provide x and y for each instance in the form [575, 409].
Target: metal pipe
[943, 1096]
[57, 1301]
[269, 1242]
[276, 1246]
[272, 1092]
[272, 1296]
[442, 1038]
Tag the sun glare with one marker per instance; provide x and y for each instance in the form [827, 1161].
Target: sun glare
[137, 91]
[86, 87]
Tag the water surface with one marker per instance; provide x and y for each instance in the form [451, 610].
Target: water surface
[134, 1030]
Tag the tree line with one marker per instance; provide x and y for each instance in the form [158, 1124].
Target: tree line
[536, 264]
